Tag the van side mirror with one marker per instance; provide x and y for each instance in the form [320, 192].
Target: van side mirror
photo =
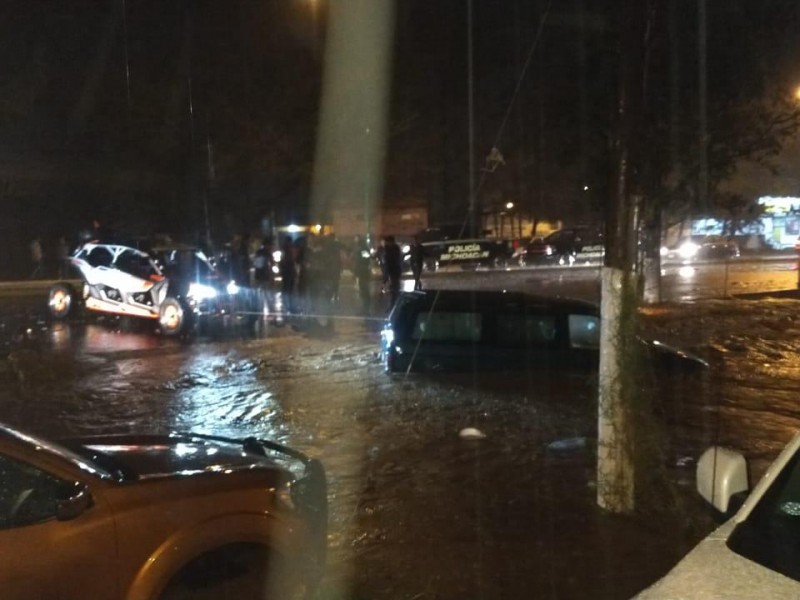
[722, 479]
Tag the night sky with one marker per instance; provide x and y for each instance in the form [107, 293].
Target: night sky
[134, 111]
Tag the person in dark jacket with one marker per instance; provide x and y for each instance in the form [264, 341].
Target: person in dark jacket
[288, 272]
[362, 271]
[333, 249]
[416, 255]
[262, 273]
[393, 268]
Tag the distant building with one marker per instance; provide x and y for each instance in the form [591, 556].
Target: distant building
[402, 221]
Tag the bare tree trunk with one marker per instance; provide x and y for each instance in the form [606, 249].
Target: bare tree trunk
[615, 435]
[615, 465]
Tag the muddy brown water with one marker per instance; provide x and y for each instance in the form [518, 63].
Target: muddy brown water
[417, 511]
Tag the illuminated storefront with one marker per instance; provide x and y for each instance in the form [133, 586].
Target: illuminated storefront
[781, 220]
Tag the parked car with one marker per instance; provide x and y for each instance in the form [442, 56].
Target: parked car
[702, 248]
[148, 517]
[756, 553]
[461, 330]
[174, 285]
[564, 245]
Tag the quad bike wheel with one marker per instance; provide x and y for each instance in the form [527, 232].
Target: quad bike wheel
[172, 317]
[60, 301]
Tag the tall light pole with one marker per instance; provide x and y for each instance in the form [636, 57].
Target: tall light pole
[471, 125]
[702, 102]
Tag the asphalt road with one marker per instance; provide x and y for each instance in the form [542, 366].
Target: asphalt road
[685, 281]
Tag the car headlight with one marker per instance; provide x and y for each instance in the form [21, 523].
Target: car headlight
[688, 249]
[200, 292]
[232, 288]
[388, 336]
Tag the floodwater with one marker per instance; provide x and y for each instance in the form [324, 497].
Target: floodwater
[418, 511]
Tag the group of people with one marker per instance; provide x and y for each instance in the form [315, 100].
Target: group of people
[48, 259]
[310, 269]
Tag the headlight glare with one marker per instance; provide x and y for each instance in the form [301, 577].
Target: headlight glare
[688, 250]
[200, 292]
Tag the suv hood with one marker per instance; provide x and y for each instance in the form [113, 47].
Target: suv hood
[146, 457]
[712, 571]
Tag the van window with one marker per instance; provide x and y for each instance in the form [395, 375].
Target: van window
[447, 327]
[525, 330]
[584, 331]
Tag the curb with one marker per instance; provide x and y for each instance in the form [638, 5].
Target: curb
[35, 284]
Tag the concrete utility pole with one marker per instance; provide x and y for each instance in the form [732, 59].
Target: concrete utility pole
[351, 139]
[615, 436]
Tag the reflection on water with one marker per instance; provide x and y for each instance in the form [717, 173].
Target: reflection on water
[98, 338]
[221, 394]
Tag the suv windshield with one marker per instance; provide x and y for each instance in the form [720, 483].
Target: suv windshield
[83, 462]
[771, 534]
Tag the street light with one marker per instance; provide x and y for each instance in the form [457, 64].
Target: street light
[509, 205]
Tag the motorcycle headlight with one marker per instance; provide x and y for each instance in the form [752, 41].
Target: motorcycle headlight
[200, 292]
[232, 288]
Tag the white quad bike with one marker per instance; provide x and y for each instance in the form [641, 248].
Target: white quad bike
[173, 285]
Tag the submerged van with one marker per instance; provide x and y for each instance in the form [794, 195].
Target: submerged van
[465, 330]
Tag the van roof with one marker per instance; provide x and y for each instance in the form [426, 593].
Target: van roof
[490, 299]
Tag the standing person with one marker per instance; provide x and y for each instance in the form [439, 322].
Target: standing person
[393, 268]
[243, 258]
[417, 259]
[261, 265]
[362, 272]
[335, 262]
[287, 270]
[380, 256]
[37, 256]
[262, 271]
[301, 255]
[62, 255]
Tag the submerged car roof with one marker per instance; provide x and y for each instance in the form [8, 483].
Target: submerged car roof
[496, 299]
